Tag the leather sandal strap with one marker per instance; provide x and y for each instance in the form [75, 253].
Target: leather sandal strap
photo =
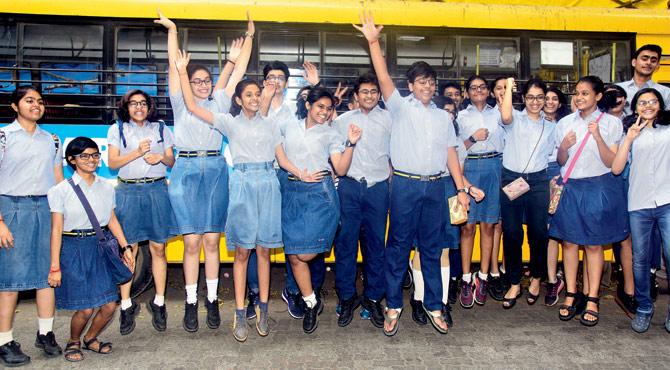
[570, 294]
[595, 300]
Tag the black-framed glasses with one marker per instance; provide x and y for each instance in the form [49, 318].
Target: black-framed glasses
[87, 156]
[199, 82]
[538, 98]
[135, 104]
[479, 88]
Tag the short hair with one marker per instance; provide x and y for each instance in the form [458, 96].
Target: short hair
[469, 81]
[447, 85]
[315, 93]
[366, 78]
[122, 106]
[418, 69]
[276, 65]
[650, 47]
[76, 147]
[493, 83]
[441, 101]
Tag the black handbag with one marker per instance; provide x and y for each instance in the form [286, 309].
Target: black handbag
[108, 246]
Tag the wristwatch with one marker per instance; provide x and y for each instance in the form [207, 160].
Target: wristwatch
[349, 144]
[122, 250]
[472, 139]
[463, 190]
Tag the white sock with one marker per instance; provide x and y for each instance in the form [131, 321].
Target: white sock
[502, 269]
[6, 337]
[126, 304]
[191, 293]
[159, 300]
[212, 286]
[418, 285]
[482, 276]
[45, 325]
[467, 277]
[495, 275]
[310, 300]
[445, 271]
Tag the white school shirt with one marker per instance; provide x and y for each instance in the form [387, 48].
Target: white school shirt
[372, 152]
[250, 140]
[63, 200]
[471, 119]
[133, 133]
[631, 89]
[589, 163]
[27, 161]
[311, 148]
[190, 132]
[523, 144]
[649, 176]
[420, 135]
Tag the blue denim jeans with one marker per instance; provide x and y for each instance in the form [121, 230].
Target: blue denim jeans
[365, 207]
[317, 269]
[642, 223]
[416, 212]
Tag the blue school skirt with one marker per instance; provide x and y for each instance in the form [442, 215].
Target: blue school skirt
[199, 195]
[26, 265]
[254, 212]
[86, 280]
[310, 215]
[144, 211]
[451, 233]
[592, 211]
[485, 174]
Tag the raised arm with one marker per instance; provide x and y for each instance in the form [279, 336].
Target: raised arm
[243, 60]
[621, 157]
[372, 34]
[233, 56]
[267, 95]
[173, 47]
[507, 108]
[180, 63]
[342, 161]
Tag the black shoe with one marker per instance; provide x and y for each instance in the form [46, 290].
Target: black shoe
[626, 302]
[446, 313]
[453, 290]
[408, 280]
[376, 312]
[653, 287]
[418, 313]
[213, 316]
[318, 292]
[252, 297]
[127, 319]
[190, 322]
[48, 344]
[496, 288]
[158, 316]
[12, 356]
[347, 308]
[311, 319]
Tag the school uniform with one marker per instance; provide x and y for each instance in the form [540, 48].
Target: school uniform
[483, 164]
[86, 280]
[199, 180]
[364, 202]
[631, 89]
[592, 208]
[310, 211]
[528, 145]
[649, 206]
[420, 138]
[254, 210]
[144, 209]
[27, 165]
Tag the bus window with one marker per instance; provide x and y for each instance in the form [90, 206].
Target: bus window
[493, 56]
[605, 58]
[211, 47]
[554, 61]
[346, 55]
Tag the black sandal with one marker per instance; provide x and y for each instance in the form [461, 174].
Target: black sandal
[101, 346]
[73, 349]
[582, 318]
[508, 303]
[577, 307]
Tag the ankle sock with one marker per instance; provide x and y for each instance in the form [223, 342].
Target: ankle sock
[126, 304]
[310, 300]
[467, 277]
[6, 337]
[191, 293]
[445, 271]
[418, 285]
[45, 325]
[493, 275]
[263, 306]
[482, 276]
[159, 300]
[212, 287]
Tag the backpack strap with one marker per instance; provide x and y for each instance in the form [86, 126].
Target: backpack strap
[56, 140]
[161, 127]
[121, 136]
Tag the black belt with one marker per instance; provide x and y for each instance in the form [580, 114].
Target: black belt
[143, 180]
[18, 197]
[81, 233]
[199, 153]
[484, 155]
[412, 176]
[325, 173]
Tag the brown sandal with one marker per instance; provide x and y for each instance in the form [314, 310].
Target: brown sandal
[100, 348]
[73, 351]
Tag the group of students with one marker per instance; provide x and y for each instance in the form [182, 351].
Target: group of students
[403, 162]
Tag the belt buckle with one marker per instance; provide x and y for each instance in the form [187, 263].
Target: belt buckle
[424, 178]
[80, 234]
[201, 153]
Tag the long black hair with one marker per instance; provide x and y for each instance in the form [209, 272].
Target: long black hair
[122, 109]
[563, 110]
[315, 93]
[22, 91]
[663, 117]
[235, 108]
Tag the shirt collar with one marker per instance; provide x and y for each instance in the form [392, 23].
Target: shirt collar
[416, 102]
[77, 179]
[15, 126]
[471, 107]
[649, 83]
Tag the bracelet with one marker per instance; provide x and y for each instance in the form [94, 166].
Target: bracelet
[175, 32]
[247, 34]
[467, 189]
[230, 61]
[462, 190]
[373, 41]
[54, 270]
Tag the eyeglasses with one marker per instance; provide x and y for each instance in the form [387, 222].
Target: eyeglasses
[424, 82]
[199, 82]
[276, 78]
[539, 98]
[135, 104]
[647, 103]
[87, 156]
[368, 92]
[478, 88]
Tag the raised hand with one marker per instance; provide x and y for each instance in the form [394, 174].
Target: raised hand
[569, 140]
[165, 22]
[367, 27]
[182, 60]
[510, 84]
[310, 73]
[354, 133]
[251, 28]
[635, 129]
[235, 49]
[268, 92]
[339, 94]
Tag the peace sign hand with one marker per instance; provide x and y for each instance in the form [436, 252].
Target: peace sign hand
[635, 129]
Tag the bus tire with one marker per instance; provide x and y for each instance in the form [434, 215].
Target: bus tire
[142, 278]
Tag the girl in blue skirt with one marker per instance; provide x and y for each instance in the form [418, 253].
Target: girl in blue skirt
[141, 149]
[592, 210]
[31, 161]
[198, 188]
[79, 272]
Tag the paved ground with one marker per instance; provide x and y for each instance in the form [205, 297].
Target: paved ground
[527, 337]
